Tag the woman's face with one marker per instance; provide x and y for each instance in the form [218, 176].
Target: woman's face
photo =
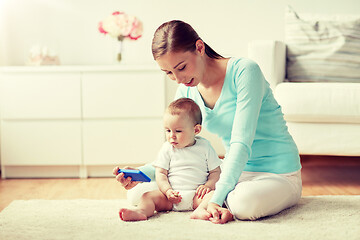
[183, 67]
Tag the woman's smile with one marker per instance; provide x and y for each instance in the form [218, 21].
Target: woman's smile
[188, 84]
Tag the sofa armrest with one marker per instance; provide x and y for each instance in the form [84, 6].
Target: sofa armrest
[271, 57]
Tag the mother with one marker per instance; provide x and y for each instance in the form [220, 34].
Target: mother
[261, 170]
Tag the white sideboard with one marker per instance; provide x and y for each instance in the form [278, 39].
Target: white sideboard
[79, 121]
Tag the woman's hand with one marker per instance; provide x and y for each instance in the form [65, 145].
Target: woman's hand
[219, 214]
[202, 190]
[125, 182]
[173, 196]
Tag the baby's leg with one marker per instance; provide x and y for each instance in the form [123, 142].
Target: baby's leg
[132, 214]
[200, 206]
[149, 203]
[134, 194]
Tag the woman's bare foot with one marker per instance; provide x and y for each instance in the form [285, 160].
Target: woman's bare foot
[132, 215]
[225, 216]
[200, 213]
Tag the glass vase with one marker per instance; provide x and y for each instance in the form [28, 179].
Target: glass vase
[120, 49]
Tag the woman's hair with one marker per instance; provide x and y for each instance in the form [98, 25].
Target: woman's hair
[177, 36]
[188, 106]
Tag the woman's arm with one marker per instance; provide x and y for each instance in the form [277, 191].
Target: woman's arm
[250, 89]
[149, 170]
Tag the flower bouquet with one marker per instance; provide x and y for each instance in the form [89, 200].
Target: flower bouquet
[121, 26]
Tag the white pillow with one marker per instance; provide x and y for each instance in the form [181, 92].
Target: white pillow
[322, 48]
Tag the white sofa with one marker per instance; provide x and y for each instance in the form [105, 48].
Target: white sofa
[322, 117]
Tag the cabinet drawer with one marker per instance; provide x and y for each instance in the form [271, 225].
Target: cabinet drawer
[40, 143]
[123, 94]
[122, 142]
[40, 96]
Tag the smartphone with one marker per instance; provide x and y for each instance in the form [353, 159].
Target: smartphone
[136, 175]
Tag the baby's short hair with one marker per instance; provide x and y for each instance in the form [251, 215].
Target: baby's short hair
[186, 105]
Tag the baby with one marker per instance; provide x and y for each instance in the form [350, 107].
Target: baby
[187, 167]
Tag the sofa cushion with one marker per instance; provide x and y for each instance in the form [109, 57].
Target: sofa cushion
[319, 102]
[322, 48]
[326, 138]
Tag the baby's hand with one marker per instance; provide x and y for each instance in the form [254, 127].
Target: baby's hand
[202, 190]
[127, 183]
[173, 196]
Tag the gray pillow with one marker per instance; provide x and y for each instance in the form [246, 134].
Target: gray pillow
[322, 48]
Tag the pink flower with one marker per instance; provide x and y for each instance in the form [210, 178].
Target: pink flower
[121, 25]
[137, 29]
[101, 29]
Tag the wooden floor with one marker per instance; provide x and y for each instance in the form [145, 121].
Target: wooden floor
[322, 175]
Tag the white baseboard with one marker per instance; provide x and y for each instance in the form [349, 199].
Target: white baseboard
[57, 171]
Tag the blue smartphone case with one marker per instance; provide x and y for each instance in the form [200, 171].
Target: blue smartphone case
[136, 175]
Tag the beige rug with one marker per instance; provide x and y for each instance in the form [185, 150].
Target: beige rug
[322, 217]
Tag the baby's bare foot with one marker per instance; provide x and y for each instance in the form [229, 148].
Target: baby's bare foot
[200, 213]
[131, 215]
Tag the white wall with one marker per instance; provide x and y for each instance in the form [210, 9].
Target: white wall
[70, 26]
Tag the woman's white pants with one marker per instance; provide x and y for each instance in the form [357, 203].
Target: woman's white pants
[256, 194]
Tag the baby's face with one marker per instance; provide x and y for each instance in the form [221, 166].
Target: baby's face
[180, 130]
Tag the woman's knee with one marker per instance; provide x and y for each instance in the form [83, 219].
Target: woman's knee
[254, 204]
[244, 206]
